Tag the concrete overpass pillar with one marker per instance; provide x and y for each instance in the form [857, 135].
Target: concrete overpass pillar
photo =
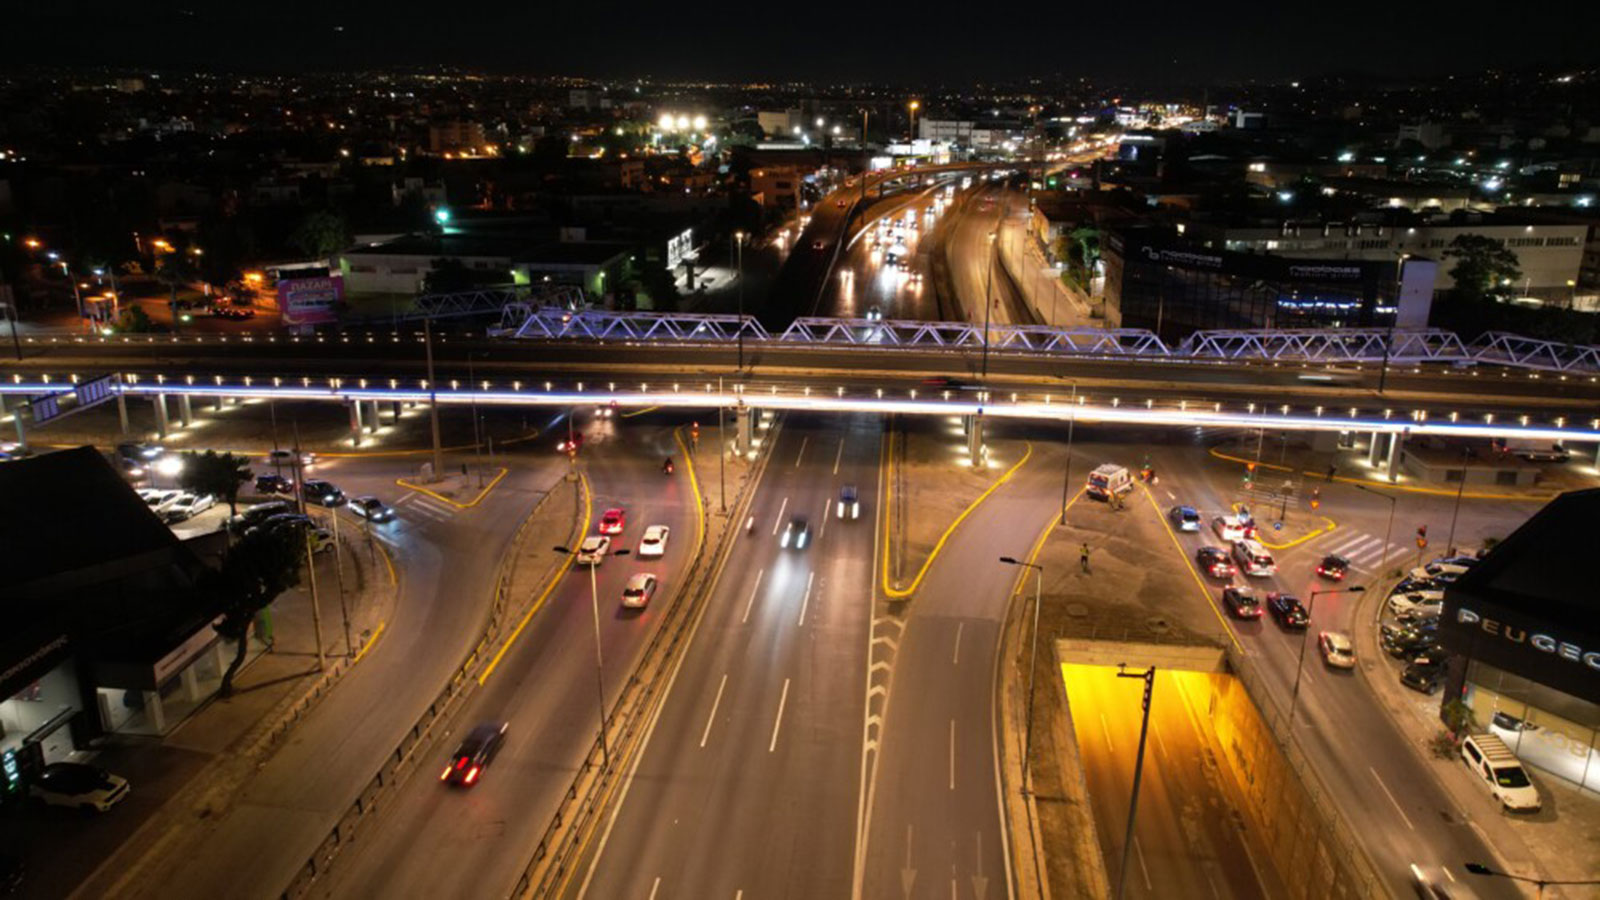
[1375, 449]
[185, 410]
[355, 421]
[745, 425]
[122, 412]
[16, 419]
[162, 425]
[1394, 456]
[975, 440]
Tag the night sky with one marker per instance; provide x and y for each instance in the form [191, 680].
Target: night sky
[903, 42]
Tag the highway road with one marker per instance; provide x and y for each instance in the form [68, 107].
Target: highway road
[974, 268]
[866, 282]
[1384, 791]
[447, 559]
[749, 780]
[437, 840]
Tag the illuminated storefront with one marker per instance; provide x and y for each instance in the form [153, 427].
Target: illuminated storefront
[1523, 624]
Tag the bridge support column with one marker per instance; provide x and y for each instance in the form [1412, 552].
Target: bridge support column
[162, 425]
[185, 410]
[1394, 457]
[975, 449]
[377, 417]
[355, 421]
[16, 419]
[122, 412]
[745, 426]
[1375, 449]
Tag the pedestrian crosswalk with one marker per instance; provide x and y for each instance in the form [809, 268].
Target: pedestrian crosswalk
[1365, 551]
[414, 504]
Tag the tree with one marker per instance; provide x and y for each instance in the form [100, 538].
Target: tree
[264, 564]
[217, 474]
[321, 234]
[658, 282]
[135, 321]
[1483, 268]
[174, 270]
[1083, 252]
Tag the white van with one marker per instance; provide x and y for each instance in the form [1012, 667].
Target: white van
[1253, 559]
[1109, 479]
[1493, 762]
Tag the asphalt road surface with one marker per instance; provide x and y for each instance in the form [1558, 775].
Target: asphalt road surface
[749, 780]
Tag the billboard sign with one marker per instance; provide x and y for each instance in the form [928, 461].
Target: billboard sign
[310, 301]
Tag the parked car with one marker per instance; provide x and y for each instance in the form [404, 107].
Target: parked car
[1288, 610]
[1184, 518]
[1241, 601]
[259, 513]
[1214, 561]
[1337, 649]
[273, 484]
[188, 505]
[160, 501]
[1499, 769]
[474, 754]
[1422, 678]
[638, 591]
[80, 786]
[372, 509]
[592, 552]
[1423, 603]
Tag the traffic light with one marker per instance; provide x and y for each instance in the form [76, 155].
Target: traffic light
[1316, 497]
[1422, 536]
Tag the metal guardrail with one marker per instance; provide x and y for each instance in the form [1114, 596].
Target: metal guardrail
[561, 845]
[396, 765]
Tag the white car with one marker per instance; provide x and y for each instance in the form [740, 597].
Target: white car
[282, 457]
[79, 786]
[189, 505]
[161, 501]
[592, 552]
[1231, 529]
[1442, 569]
[1337, 651]
[640, 589]
[654, 542]
[1423, 603]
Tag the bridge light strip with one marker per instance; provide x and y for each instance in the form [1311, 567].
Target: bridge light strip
[1038, 410]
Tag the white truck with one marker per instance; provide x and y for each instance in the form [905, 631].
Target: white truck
[1107, 480]
[1534, 450]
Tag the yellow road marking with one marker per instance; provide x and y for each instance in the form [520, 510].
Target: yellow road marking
[443, 499]
[555, 579]
[1328, 526]
[898, 593]
[387, 561]
[368, 645]
[640, 412]
[1189, 564]
[1387, 486]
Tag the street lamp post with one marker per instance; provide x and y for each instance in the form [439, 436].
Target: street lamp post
[738, 240]
[1149, 676]
[1388, 341]
[477, 437]
[599, 659]
[1539, 883]
[1300, 665]
[1450, 543]
[1033, 655]
[1066, 472]
[433, 400]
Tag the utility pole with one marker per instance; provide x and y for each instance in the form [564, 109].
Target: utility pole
[1066, 471]
[722, 454]
[433, 400]
[316, 610]
[739, 244]
[338, 568]
[1149, 676]
[477, 438]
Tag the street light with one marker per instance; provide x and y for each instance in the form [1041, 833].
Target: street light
[1033, 654]
[1538, 883]
[1299, 666]
[599, 660]
[1149, 676]
[914, 105]
[738, 239]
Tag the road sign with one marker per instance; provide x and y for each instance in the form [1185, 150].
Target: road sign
[1277, 526]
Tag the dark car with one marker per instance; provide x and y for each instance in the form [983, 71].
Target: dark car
[796, 534]
[255, 515]
[1333, 567]
[1407, 641]
[477, 750]
[944, 381]
[1422, 678]
[323, 492]
[1184, 518]
[1288, 610]
[273, 484]
[1241, 601]
[849, 502]
[1214, 561]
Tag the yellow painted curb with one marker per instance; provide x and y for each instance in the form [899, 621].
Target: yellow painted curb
[694, 485]
[368, 645]
[443, 499]
[1386, 486]
[897, 593]
[550, 587]
[1327, 527]
[387, 561]
[1188, 563]
[640, 412]
[1038, 542]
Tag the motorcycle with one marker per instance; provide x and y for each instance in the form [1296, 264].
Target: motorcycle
[666, 467]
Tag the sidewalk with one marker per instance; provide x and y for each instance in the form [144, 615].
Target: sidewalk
[1039, 282]
[191, 774]
[1561, 842]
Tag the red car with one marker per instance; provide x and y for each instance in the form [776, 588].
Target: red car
[570, 444]
[612, 521]
[1242, 602]
[1214, 562]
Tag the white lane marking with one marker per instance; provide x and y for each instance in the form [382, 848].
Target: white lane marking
[801, 455]
[1105, 728]
[1161, 744]
[823, 529]
[779, 521]
[713, 717]
[655, 887]
[1211, 881]
[752, 601]
[1171, 496]
[952, 754]
[1142, 867]
[738, 895]
[778, 722]
[806, 600]
[1396, 803]
[956, 660]
[1446, 871]
[838, 457]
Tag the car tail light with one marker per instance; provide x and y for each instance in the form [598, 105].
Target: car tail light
[472, 775]
[445, 775]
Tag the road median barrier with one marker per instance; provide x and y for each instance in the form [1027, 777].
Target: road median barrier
[424, 489]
